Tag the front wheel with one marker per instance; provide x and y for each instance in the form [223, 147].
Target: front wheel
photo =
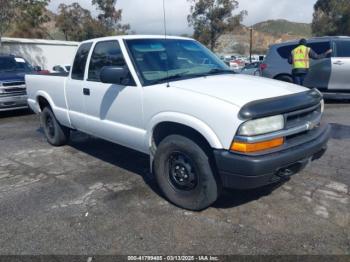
[56, 134]
[184, 174]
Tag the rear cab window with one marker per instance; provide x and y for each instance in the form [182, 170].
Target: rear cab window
[80, 61]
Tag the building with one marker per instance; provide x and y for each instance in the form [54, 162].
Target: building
[39, 52]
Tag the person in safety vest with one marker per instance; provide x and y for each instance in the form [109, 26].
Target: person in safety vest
[300, 60]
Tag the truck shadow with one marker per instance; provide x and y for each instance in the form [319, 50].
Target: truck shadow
[122, 157]
[233, 198]
[138, 163]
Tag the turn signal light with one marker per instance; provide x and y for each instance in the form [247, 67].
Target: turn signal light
[256, 147]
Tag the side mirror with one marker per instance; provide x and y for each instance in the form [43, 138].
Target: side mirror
[115, 75]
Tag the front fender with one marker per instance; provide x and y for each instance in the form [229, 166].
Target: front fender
[186, 120]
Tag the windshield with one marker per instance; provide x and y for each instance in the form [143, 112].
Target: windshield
[9, 64]
[160, 60]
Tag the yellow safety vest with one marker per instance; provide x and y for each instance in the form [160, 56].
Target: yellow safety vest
[301, 59]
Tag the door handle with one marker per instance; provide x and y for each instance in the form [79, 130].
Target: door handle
[86, 91]
[338, 63]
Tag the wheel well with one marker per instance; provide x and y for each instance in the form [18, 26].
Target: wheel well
[43, 103]
[165, 129]
[283, 75]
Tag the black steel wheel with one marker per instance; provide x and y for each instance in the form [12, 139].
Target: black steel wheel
[184, 173]
[56, 134]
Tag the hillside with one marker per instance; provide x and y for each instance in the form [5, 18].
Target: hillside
[278, 27]
[264, 34]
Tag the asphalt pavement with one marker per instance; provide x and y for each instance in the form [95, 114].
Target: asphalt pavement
[94, 197]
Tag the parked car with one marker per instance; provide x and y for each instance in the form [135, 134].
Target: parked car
[227, 59]
[329, 75]
[203, 126]
[251, 69]
[237, 65]
[12, 86]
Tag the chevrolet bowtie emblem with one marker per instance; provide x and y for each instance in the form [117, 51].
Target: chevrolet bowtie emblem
[310, 125]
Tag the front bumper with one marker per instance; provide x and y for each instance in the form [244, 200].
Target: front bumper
[247, 172]
[13, 102]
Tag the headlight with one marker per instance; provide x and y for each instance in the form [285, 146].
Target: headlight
[262, 126]
[322, 106]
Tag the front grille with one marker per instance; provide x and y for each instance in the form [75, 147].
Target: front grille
[302, 117]
[311, 115]
[13, 88]
[17, 83]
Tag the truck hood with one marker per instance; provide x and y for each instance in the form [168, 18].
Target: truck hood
[238, 89]
[12, 76]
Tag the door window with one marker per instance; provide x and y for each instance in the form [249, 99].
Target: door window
[285, 51]
[107, 53]
[80, 61]
[342, 48]
[320, 47]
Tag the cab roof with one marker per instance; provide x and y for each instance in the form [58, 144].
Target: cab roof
[130, 37]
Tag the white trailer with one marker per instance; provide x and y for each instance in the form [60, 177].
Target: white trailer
[40, 52]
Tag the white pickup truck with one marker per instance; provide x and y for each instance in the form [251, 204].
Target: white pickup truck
[204, 127]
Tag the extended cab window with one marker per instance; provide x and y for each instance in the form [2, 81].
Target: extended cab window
[80, 61]
[342, 48]
[107, 53]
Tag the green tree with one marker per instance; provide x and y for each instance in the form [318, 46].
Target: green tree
[110, 17]
[31, 15]
[212, 18]
[331, 17]
[7, 15]
[77, 24]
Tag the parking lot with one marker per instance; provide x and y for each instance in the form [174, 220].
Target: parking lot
[93, 197]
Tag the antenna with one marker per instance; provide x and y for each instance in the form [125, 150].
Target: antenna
[165, 38]
[164, 17]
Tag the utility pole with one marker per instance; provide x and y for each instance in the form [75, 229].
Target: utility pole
[251, 44]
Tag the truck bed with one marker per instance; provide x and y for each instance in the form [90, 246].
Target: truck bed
[51, 87]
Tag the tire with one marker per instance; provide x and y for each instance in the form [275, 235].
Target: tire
[199, 189]
[56, 134]
[285, 78]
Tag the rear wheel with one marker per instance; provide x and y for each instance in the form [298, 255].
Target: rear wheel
[285, 78]
[56, 134]
[184, 174]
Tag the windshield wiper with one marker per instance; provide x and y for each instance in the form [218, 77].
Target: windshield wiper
[169, 78]
[219, 71]
[214, 71]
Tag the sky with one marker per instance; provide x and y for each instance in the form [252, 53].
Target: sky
[146, 16]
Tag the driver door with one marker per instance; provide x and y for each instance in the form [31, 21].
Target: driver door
[113, 111]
